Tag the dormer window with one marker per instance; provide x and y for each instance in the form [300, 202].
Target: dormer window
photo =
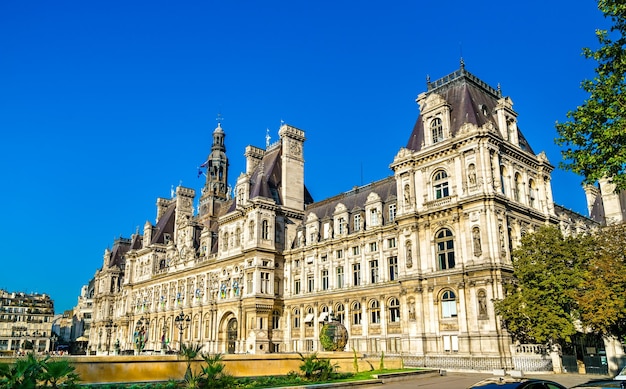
[436, 128]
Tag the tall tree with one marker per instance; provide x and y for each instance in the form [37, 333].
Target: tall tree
[595, 136]
[602, 291]
[539, 305]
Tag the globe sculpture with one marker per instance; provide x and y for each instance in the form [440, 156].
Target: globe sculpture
[333, 336]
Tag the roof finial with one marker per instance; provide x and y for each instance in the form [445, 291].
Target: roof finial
[267, 138]
[219, 119]
[499, 90]
[428, 80]
[462, 64]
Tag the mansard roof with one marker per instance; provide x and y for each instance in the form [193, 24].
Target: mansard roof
[165, 225]
[354, 199]
[117, 257]
[266, 178]
[468, 97]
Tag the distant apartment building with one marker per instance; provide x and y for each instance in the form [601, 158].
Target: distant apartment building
[25, 322]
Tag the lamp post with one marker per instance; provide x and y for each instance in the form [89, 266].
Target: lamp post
[53, 340]
[182, 322]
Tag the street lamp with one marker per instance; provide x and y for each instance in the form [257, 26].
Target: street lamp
[53, 339]
[182, 322]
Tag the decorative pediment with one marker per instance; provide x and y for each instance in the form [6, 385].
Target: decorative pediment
[340, 208]
[311, 217]
[373, 197]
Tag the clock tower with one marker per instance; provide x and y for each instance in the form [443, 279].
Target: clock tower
[215, 190]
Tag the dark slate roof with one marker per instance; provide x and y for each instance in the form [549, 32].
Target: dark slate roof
[117, 257]
[136, 242]
[466, 94]
[266, 178]
[165, 225]
[355, 199]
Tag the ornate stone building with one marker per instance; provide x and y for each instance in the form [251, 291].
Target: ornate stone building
[409, 264]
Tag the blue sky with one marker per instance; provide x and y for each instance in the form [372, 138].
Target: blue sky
[104, 106]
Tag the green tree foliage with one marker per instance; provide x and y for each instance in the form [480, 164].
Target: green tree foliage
[539, 304]
[602, 291]
[595, 136]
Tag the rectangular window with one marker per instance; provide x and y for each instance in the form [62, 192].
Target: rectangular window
[325, 284]
[374, 271]
[310, 282]
[356, 250]
[356, 274]
[340, 277]
[324, 258]
[373, 247]
[391, 243]
[451, 343]
[392, 213]
[339, 254]
[297, 287]
[265, 282]
[448, 309]
[374, 216]
[342, 225]
[393, 268]
[357, 222]
[249, 286]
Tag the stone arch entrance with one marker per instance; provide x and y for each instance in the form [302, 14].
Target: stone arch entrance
[231, 336]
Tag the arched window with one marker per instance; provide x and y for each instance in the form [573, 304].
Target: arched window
[394, 310]
[440, 184]
[275, 320]
[296, 318]
[374, 312]
[444, 243]
[356, 313]
[340, 313]
[309, 320]
[448, 304]
[436, 128]
[265, 230]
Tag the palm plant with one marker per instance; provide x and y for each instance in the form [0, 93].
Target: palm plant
[190, 352]
[23, 374]
[214, 372]
[59, 372]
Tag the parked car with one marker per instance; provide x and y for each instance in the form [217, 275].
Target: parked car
[516, 383]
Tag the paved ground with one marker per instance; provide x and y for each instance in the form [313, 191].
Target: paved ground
[463, 380]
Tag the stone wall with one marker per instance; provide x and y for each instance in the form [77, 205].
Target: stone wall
[146, 368]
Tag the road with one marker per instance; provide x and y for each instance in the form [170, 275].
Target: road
[463, 380]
